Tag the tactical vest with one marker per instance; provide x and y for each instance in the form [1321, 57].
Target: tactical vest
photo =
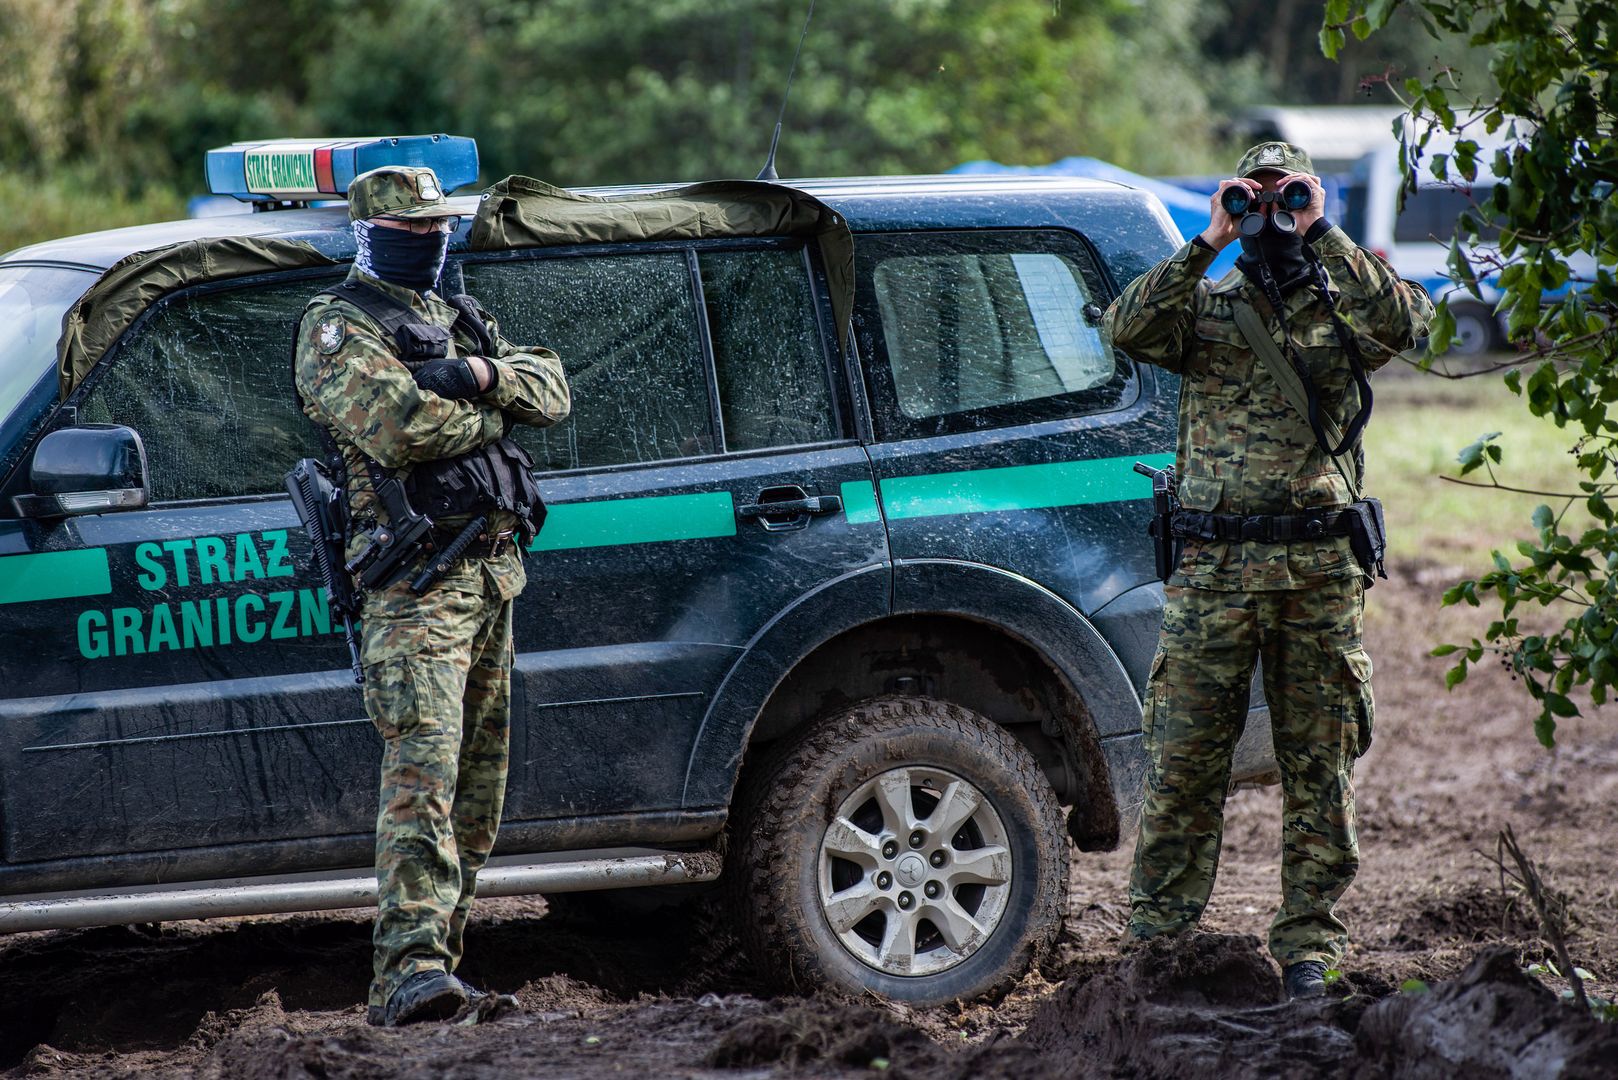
[498, 476]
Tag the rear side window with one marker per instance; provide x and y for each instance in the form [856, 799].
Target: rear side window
[970, 331]
[626, 328]
[773, 371]
[206, 379]
[1431, 213]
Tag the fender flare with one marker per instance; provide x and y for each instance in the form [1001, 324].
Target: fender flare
[1022, 608]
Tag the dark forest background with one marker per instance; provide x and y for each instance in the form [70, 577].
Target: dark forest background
[106, 106]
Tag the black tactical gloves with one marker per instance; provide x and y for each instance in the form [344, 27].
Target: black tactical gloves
[448, 378]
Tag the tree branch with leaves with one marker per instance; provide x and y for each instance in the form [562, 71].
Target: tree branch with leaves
[1547, 238]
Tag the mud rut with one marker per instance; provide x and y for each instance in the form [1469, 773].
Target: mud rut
[665, 992]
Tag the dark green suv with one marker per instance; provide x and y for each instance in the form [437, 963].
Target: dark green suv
[845, 562]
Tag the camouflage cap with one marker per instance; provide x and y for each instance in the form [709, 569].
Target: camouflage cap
[401, 191]
[1280, 156]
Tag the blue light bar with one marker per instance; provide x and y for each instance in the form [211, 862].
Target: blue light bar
[306, 169]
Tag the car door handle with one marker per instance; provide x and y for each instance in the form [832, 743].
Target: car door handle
[809, 504]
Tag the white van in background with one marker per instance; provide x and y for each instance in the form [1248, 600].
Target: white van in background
[1416, 239]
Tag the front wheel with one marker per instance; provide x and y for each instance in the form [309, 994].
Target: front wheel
[907, 847]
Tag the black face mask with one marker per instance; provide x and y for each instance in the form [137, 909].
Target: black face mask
[1282, 252]
[412, 260]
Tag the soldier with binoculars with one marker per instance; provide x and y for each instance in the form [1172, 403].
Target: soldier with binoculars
[1267, 545]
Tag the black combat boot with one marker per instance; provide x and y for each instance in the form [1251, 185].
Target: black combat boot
[426, 995]
[1305, 979]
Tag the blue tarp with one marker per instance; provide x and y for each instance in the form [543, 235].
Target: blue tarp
[1188, 208]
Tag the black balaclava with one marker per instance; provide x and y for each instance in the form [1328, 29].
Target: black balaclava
[1282, 252]
[412, 260]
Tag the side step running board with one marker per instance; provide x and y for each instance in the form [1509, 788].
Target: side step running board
[281, 897]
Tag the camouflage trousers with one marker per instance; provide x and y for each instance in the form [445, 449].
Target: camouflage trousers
[1317, 681]
[438, 688]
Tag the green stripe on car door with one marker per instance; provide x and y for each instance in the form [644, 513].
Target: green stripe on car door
[859, 502]
[644, 520]
[54, 575]
[1019, 487]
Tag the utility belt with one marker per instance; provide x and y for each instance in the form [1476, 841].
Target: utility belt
[1260, 528]
[1362, 522]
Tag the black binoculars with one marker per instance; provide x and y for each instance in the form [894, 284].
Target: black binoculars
[1244, 203]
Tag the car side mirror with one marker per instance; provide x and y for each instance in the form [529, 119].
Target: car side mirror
[90, 469]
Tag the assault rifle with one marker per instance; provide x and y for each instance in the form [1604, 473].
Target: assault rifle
[323, 510]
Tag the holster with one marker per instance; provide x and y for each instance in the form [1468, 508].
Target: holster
[1368, 537]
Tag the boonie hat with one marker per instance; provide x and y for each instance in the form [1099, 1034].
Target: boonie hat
[1269, 155]
[401, 191]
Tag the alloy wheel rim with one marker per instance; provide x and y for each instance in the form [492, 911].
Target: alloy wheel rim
[915, 871]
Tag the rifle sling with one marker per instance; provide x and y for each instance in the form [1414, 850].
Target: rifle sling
[1259, 340]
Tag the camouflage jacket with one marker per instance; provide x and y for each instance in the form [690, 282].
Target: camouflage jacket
[354, 385]
[1243, 449]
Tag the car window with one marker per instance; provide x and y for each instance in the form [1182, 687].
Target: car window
[982, 330]
[626, 328]
[774, 385]
[33, 300]
[206, 379]
[1431, 213]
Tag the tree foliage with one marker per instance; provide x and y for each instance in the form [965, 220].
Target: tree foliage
[1554, 95]
[583, 92]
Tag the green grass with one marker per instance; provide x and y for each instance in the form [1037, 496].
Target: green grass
[71, 202]
[1420, 424]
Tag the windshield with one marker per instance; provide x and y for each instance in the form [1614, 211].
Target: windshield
[33, 300]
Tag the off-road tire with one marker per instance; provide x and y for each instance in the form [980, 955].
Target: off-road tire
[792, 796]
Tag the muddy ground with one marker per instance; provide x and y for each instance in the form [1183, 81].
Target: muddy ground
[662, 996]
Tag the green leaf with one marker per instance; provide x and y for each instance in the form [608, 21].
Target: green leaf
[1444, 650]
[1559, 704]
[1514, 381]
[1545, 730]
[1455, 676]
[1331, 42]
[1377, 12]
[1471, 455]
[1543, 517]
[1442, 331]
[1361, 27]
[1413, 987]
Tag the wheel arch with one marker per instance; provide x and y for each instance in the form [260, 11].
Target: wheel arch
[980, 637]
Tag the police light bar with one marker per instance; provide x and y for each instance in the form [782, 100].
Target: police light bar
[306, 169]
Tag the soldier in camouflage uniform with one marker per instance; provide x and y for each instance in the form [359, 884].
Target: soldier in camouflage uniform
[437, 666]
[1245, 450]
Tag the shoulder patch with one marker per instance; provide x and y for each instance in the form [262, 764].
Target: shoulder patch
[330, 332]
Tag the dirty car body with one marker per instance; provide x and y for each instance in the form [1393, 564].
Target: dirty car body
[178, 709]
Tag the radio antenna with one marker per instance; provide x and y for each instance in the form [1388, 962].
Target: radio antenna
[768, 173]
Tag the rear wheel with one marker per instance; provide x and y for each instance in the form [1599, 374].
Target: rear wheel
[905, 846]
[1476, 330]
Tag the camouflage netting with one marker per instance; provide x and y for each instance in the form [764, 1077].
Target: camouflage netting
[520, 212]
[136, 282]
